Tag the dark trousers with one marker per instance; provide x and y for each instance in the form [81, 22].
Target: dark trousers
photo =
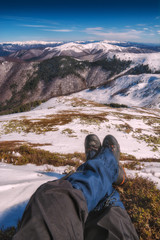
[57, 211]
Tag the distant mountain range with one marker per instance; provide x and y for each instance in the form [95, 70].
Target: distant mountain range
[36, 71]
[7, 48]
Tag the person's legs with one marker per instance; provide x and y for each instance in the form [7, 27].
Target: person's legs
[110, 223]
[55, 211]
[58, 209]
[95, 177]
[109, 219]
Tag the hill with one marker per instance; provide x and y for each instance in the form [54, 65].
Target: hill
[24, 83]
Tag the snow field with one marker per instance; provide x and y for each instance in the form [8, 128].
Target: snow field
[132, 90]
[17, 183]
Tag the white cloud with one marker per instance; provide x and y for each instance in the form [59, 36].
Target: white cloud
[158, 32]
[94, 29]
[58, 30]
[156, 25]
[124, 35]
[34, 26]
[135, 31]
[145, 29]
[31, 20]
[141, 25]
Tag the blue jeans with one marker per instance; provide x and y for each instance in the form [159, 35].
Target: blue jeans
[95, 178]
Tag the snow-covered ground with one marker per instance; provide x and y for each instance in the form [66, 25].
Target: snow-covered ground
[17, 184]
[128, 125]
[149, 170]
[150, 59]
[59, 141]
[133, 90]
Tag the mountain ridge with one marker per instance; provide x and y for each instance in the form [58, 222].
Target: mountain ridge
[30, 75]
[7, 48]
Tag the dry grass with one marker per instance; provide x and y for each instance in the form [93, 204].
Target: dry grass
[150, 120]
[125, 156]
[85, 131]
[138, 130]
[51, 122]
[19, 153]
[125, 116]
[7, 234]
[10, 145]
[151, 140]
[80, 102]
[142, 201]
[126, 128]
[69, 132]
[129, 157]
[132, 165]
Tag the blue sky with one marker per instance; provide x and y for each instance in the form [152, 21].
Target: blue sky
[136, 21]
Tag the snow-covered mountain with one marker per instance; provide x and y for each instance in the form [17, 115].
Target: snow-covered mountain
[8, 48]
[41, 70]
[133, 90]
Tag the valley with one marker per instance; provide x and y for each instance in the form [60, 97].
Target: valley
[33, 75]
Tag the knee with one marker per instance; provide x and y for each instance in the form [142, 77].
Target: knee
[41, 190]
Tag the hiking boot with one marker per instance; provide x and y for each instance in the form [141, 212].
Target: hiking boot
[122, 178]
[92, 146]
[112, 143]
